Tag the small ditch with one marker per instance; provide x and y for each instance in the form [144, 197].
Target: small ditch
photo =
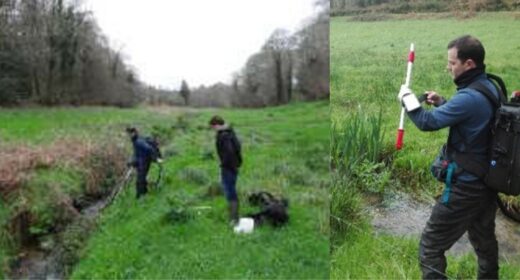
[400, 215]
[46, 260]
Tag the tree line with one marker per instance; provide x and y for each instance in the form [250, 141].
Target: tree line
[351, 7]
[287, 67]
[53, 53]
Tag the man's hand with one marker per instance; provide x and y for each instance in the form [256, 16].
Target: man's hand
[403, 92]
[408, 99]
[434, 98]
[159, 160]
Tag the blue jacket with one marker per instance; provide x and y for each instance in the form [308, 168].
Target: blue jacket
[143, 152]
[468, 116]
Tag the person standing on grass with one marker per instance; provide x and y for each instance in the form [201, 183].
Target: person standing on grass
[229, 152]
[144, 154]
[467, 204]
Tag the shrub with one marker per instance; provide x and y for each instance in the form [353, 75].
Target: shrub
[370, 177]
[103, 166]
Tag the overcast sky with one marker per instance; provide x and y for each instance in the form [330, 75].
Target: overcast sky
[202, 41]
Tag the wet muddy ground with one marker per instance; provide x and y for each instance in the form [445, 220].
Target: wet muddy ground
[401, 215]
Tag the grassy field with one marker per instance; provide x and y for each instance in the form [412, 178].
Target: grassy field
[181, 229]
[368, 66]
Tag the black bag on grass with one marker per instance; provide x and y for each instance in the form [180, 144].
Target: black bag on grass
[273, 211]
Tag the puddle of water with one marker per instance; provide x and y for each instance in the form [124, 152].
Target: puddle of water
[400, 215]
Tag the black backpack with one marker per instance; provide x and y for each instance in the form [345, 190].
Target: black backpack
[273, 211]
[501, 171]
[154, 144]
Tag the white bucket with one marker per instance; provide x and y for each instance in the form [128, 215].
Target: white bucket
[244, 225]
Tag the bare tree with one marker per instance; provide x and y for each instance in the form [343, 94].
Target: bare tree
[278, 46]
[14, 75]
[185, 92]
[53, 53]
[313, 57]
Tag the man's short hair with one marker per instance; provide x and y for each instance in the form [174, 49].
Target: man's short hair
[131, 130]
[216, 120]
[469, 47]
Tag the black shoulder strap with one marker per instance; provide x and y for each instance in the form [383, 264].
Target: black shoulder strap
[499, 85]
[480, 87]
[484, 90]
[502, 90]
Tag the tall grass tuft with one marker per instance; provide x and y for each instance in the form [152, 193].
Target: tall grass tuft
[355, 145]
[359, 139]
[345, 211]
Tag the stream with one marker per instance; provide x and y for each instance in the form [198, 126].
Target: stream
[401, 215]
[43, 262]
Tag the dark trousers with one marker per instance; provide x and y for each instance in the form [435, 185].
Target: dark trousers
[141, 183]
[229, 181]
[471, 207]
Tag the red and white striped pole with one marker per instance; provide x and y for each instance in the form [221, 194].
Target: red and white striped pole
[400, 130]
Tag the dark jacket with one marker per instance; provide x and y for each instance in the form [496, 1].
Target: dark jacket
[143, 152]
[229, 149]
[468, 116]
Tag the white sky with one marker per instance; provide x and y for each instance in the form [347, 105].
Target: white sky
[201, 41]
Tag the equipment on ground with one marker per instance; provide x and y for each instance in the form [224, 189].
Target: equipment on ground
[244, 225]
[273, 210]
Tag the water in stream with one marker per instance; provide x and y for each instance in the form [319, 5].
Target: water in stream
[37, 263]
[401, 215]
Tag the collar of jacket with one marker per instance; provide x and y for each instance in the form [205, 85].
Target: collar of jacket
[466, 78]
[224, 127]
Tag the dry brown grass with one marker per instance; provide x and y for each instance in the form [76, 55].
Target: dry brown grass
[17, 162]
[98, 161]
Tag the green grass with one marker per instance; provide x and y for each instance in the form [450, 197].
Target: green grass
[134, 240]
[366, 255]
[43, 125]
[285, 152]
[368, 66]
